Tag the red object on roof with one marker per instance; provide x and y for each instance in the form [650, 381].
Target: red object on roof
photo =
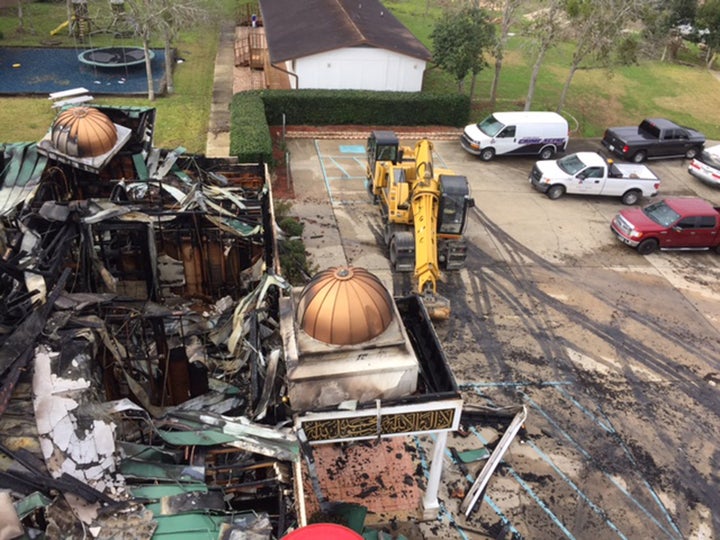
[323, 531]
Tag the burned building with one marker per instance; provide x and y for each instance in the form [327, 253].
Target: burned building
[138, 293]
[158, 376]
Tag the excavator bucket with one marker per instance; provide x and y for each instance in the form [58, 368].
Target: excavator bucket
[437, 306]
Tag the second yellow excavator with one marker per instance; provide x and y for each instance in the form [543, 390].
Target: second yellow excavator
[424, 211]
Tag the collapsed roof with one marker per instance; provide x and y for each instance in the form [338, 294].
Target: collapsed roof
[146, 338]
[137, 287]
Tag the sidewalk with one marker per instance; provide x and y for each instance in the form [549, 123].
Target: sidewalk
[218, 140]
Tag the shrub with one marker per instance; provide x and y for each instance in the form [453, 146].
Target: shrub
[364, 107]
[250, 138]
[291, 226]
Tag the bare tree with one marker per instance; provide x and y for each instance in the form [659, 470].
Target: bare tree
[21, 17]
[597, 26]
[173, 16]
[508, 16]
[164, 18]
[546, 28]
[142, 14]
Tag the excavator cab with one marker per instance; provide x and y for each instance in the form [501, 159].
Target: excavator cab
[382, 146]
[455, 201]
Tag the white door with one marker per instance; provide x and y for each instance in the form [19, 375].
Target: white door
[505, 141]
[588, 181]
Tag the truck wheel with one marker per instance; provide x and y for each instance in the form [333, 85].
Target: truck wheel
[556, 191]
[647, 246]
[547, 152]
[691, 153]
[487, 154]
[717, 249]
[631, 197]
[639, 156]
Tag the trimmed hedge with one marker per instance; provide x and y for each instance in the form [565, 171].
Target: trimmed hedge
[253, 112]
[365, 108]
[250, 138]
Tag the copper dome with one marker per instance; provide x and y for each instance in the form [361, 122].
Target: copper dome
[83, 132]
[344, 306]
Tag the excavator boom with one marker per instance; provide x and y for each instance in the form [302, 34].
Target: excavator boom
[424, 212]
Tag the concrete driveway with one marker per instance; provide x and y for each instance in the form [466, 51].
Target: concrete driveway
[616, 355]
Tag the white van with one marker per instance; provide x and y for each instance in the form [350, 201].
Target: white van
[517, 133]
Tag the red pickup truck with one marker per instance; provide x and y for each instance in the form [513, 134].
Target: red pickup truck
[683, 223]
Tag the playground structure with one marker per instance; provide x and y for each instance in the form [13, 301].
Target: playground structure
[81, 25]
[111, 57]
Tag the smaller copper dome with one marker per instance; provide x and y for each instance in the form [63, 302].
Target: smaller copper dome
[83, 132]
[344, 306]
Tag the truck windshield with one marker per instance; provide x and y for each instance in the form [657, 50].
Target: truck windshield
[571, 164]
[490, 126]
[661, 213]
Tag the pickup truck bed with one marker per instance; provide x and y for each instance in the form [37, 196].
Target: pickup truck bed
[654, 138]
[588, 173]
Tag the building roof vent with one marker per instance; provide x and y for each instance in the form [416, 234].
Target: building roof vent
[344, 306]
[83, 132]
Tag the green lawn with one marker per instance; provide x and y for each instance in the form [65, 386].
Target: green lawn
[597, 98]
[182, 118]
[690, 95]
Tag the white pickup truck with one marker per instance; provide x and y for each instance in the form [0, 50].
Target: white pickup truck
[588, 173]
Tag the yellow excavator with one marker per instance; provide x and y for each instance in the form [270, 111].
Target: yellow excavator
[424, 212]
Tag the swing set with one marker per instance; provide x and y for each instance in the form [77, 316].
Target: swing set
[81, 25]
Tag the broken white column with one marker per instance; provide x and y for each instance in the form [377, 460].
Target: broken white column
[431, 505]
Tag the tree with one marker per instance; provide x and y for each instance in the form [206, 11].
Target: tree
[142, 15]
[546, 28]
[598, 26]
[709, 19]
[508, 15]
[660, 20]
[166, 18]
[173, 16]
[460, 39]
[21, 16]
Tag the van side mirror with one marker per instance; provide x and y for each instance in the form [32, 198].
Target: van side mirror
[470, 203]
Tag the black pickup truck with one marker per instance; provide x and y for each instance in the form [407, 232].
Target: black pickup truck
[654, 138]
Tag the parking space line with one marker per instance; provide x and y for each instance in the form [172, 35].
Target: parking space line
[324, 172]
[650, 489]
[594, 507]
[603, 424]
[470, 478]
[534, 496]
[589, 457]
[426, 473]
[345, 175]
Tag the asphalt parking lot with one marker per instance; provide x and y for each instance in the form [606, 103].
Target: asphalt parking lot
[616, 355]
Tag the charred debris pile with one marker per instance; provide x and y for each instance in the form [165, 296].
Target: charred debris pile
[139, 341]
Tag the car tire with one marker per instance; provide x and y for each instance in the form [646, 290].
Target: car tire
[486, 154]
[547, 153]
[717, 249]
[556, 191]
[639, 156]
[692, 152]
[631, 197]
[647, 246]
